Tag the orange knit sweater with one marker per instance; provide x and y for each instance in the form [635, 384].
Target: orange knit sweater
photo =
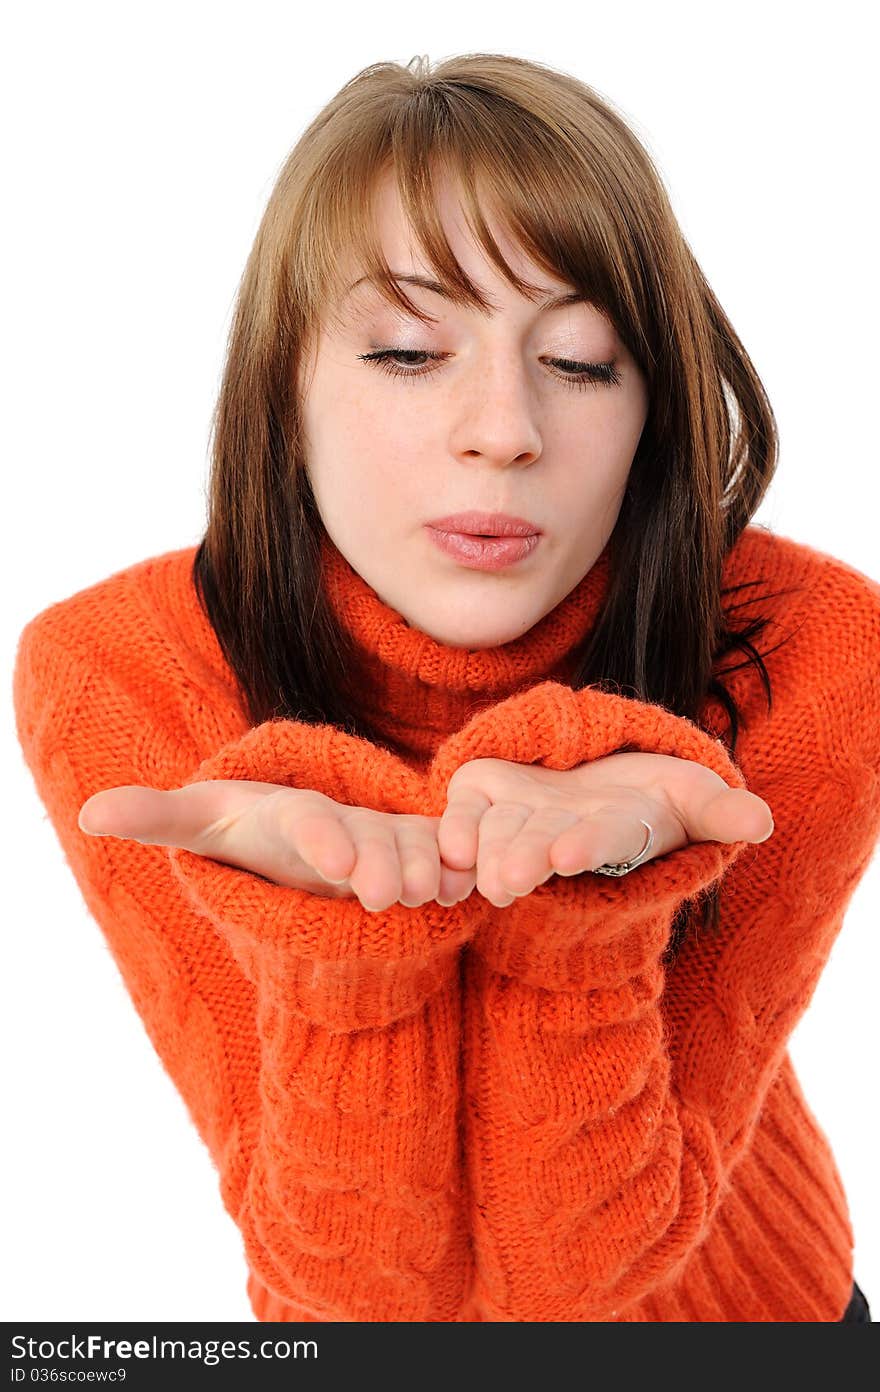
[473, 1113]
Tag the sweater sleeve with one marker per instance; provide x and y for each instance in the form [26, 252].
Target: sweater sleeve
[610, 1095]
[315, 1044]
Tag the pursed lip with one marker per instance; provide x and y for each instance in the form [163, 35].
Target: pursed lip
[499, 524]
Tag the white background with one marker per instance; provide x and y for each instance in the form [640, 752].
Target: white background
[141, 143]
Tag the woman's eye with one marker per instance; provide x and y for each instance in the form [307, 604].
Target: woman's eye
[574, 374]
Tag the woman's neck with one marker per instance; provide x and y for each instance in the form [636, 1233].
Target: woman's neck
[415, 691]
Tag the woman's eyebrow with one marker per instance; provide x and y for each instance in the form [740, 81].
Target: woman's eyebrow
[554, 301]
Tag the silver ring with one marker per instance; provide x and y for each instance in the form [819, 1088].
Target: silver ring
[626, 865]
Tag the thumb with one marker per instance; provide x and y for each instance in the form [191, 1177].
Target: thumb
[133, 813]
[733, 814]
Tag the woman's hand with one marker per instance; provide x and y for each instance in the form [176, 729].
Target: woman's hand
[292, 836]
[518, 824]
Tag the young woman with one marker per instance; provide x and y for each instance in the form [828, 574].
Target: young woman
[468, 891]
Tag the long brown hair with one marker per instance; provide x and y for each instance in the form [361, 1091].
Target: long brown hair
[567, 177]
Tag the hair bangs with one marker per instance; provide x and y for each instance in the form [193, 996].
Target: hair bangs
[527, 180]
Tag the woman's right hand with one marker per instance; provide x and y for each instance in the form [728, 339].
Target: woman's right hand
[292, 836]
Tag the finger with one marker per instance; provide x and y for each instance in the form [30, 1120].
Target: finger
[709, 810]
[376, 879]
[455, 885]
[150, 815]
[500, 824]
[322, 841]
[526, 862]
[191, 817]
[731, 814]
[606, 838]
[457, 834]
[419, 858]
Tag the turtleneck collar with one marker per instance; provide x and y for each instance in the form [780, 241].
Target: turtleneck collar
[415, 691]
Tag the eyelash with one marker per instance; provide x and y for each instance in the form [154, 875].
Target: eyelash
[588, 375]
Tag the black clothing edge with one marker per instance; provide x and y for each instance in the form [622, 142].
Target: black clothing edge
[857, 1311]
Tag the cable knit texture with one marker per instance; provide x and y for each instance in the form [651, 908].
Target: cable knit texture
[472, 1113]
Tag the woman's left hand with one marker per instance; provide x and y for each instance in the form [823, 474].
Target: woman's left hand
[518, 824]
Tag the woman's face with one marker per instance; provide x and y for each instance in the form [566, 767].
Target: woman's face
[490, 425]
